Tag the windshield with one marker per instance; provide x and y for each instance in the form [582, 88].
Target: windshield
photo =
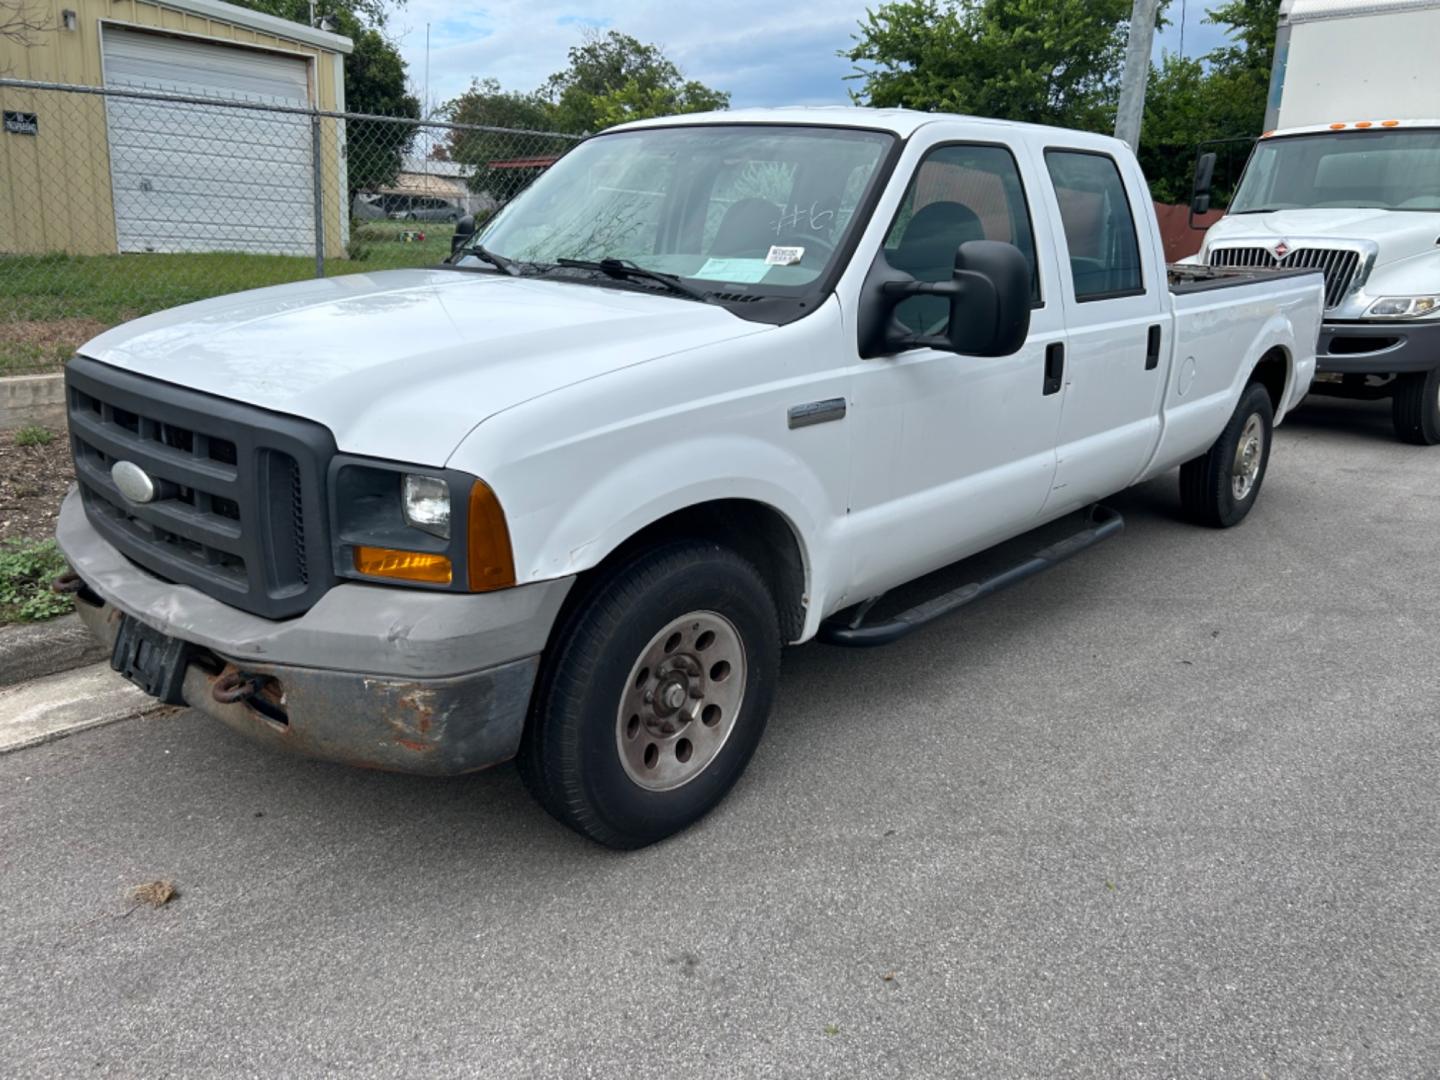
[759, 207]
[1395, 169]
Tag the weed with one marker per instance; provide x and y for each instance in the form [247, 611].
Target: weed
[26, 569]
[34, 435]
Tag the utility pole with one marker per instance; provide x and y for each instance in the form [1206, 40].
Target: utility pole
[1137, 72]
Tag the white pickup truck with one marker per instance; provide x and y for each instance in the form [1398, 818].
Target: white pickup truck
[710, 385]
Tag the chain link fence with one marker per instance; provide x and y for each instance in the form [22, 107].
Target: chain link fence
[118, 202]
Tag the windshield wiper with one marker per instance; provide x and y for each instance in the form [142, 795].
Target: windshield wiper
[500, 262]
[624, 268]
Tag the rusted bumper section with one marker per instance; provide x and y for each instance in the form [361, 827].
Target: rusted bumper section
[433, 726]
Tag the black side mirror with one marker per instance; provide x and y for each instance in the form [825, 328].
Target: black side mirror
[1200, 190]
[464, 230]
[989, 297]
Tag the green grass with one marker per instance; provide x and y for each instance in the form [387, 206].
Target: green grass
[54, 303]
[34, 435]
[26, 569]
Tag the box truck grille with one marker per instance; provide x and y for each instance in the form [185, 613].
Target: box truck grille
[1339, 265]
[239, 505]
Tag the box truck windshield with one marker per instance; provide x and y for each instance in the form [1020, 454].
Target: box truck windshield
[1393, 169]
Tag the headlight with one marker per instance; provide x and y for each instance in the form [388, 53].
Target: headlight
[1403, 307]
[426, 504]
[440, 530]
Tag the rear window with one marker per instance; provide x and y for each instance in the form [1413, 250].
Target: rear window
[1099, 224]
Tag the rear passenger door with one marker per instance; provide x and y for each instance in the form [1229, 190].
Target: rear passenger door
[1113, 288]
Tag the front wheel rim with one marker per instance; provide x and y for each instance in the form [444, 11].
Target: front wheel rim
[1249, 454]
[681, 701]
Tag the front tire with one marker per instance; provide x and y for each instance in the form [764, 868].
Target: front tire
[654, 695]
[1416, 408]
[1219, 488]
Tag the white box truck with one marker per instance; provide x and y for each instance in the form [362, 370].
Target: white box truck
[1346, 179]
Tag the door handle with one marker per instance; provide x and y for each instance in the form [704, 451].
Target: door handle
[1054, 367]
[1152, 349]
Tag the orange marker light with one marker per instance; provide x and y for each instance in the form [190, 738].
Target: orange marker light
[492, 562]
[403, 565]
[1336, 127]
[1363, 124]
[1267, 134]
[1389, 123]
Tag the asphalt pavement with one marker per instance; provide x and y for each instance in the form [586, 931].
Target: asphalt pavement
[1169, 810]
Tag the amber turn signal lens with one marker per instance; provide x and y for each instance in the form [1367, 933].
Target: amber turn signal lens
[403, 565]
[492, 563]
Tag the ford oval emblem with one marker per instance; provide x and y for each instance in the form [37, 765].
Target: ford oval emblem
[134, 482]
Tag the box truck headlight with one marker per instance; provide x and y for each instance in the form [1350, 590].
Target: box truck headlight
[1404, 307]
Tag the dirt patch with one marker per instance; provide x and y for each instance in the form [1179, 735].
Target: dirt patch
[31, 346]
[53, 334]
[33, 480]
[154, 893]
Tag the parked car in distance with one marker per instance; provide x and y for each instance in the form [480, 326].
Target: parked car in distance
[368, 206]
[1348, 182]
[708, 386]
[426, 208]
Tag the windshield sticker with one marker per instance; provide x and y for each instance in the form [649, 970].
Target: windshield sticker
[746, 271]
[784, 256]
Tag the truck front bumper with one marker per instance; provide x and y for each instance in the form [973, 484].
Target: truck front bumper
[1378, 348]
[387, 678]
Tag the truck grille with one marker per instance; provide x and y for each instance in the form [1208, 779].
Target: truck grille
[1339, 265]
[239, 506]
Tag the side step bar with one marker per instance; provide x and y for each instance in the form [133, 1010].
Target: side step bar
[1103, 524]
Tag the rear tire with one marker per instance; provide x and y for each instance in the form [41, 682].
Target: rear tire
[653, 695]
[1416, 407]
[1218, 488]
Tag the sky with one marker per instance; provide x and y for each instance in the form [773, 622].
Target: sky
[757, 50]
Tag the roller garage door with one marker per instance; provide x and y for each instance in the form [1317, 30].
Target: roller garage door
[208, 178]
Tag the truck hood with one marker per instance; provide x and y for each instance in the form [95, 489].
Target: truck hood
[402, 364]
[1400, 234]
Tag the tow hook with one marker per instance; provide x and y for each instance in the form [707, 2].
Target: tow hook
[233, 686]
[67, 584]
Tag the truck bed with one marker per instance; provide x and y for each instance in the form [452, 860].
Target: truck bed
[1187, 278]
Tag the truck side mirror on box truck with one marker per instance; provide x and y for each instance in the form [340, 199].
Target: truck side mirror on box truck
[1200, 190]
[988, 295]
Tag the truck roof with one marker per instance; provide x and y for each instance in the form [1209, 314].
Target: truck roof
[902, 122]
[1350, 125]
[1298, 11]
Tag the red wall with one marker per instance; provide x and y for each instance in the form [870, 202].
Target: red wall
[1180, 239]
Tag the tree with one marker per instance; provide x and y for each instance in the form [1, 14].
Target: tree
[1221, 97]
[510, 119]
[613, 78]
[374, 83]
[1044, 61]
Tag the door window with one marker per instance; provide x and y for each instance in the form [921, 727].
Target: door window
[1099, 225]
[959, 193]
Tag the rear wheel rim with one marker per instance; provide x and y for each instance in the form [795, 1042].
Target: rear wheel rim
[681, 701]
[1249, 454]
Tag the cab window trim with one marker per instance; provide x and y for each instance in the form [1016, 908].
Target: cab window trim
[1037, 301]
[1116, 294]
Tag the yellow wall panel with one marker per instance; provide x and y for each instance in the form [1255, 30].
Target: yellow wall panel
[56, 186]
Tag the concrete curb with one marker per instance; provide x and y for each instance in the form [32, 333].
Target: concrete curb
[34, 650]
[58, 705]
[32, 399]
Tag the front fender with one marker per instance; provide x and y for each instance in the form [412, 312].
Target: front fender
[624, 498]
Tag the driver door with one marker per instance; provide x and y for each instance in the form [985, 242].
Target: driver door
[952, 451]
